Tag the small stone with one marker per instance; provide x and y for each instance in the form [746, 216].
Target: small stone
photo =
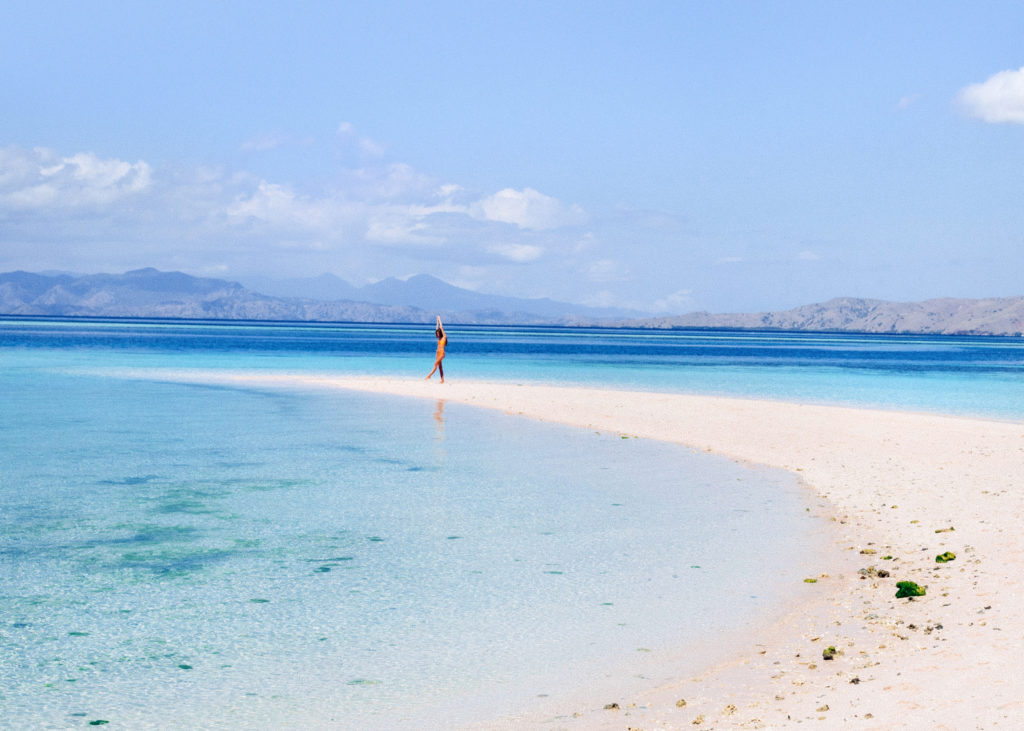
[612, 707]
[823, 708]
[883, 574]
[945, 557]
[828, 653]
[868, 551]
[730, 709]
[855, 681]
[698, 720]
[681, 703]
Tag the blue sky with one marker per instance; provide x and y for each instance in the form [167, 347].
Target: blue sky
[666, 156]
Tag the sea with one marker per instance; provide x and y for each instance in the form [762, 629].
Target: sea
[194, 555]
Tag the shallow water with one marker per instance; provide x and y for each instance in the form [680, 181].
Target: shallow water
[185, 555]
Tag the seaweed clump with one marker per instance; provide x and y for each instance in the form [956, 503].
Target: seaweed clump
[945, 557]
[908, 589]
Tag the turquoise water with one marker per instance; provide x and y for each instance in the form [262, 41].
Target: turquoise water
[982, 376]
[179, 556]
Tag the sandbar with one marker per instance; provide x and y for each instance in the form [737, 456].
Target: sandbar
[900, 488]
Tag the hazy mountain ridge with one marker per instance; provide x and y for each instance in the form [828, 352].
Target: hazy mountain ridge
[946, 316]
[426, 292]
[151, 293]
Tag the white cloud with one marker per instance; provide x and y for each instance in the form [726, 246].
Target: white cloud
[262, 143]
[1000, 98]
[40, 178]
[400, 226]
[370, 210]
[605, 270]
[366, 145]
[404, 181]
[601, 298]
[909, 101]
[529, 209]
[470, 277]
[586, 241]
[676, 303]
[370, 147]
[278, 205]
[520, 253]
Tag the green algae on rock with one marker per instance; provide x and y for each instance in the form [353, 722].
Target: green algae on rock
[945, 557]
[909, 589]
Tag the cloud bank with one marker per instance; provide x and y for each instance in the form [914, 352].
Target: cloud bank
[529, 209]
[42, 179]
[83, 211]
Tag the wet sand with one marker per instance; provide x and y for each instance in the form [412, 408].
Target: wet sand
[900, 488]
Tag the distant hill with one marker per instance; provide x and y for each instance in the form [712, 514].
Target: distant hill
[152, 293]
[430, 293]
[997, 316]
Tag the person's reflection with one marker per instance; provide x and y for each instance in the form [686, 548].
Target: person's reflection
[439, 418]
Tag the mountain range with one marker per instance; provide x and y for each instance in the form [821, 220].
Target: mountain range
[152, 293]
[429, 293]
[946, 316]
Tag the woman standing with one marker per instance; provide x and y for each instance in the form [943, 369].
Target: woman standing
[442, 341]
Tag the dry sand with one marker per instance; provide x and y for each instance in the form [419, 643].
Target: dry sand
[902, 485]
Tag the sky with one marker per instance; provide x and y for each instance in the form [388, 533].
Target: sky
[663, 156]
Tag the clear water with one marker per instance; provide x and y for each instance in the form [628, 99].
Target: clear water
[981, 376]
[184, 556]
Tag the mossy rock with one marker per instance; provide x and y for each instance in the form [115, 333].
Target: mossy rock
[945, 557]
[828, 653]
[908, 589]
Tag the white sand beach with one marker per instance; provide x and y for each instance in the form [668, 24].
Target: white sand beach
[900, 487]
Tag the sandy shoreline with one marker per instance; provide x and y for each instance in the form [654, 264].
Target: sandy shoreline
[894, 483]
